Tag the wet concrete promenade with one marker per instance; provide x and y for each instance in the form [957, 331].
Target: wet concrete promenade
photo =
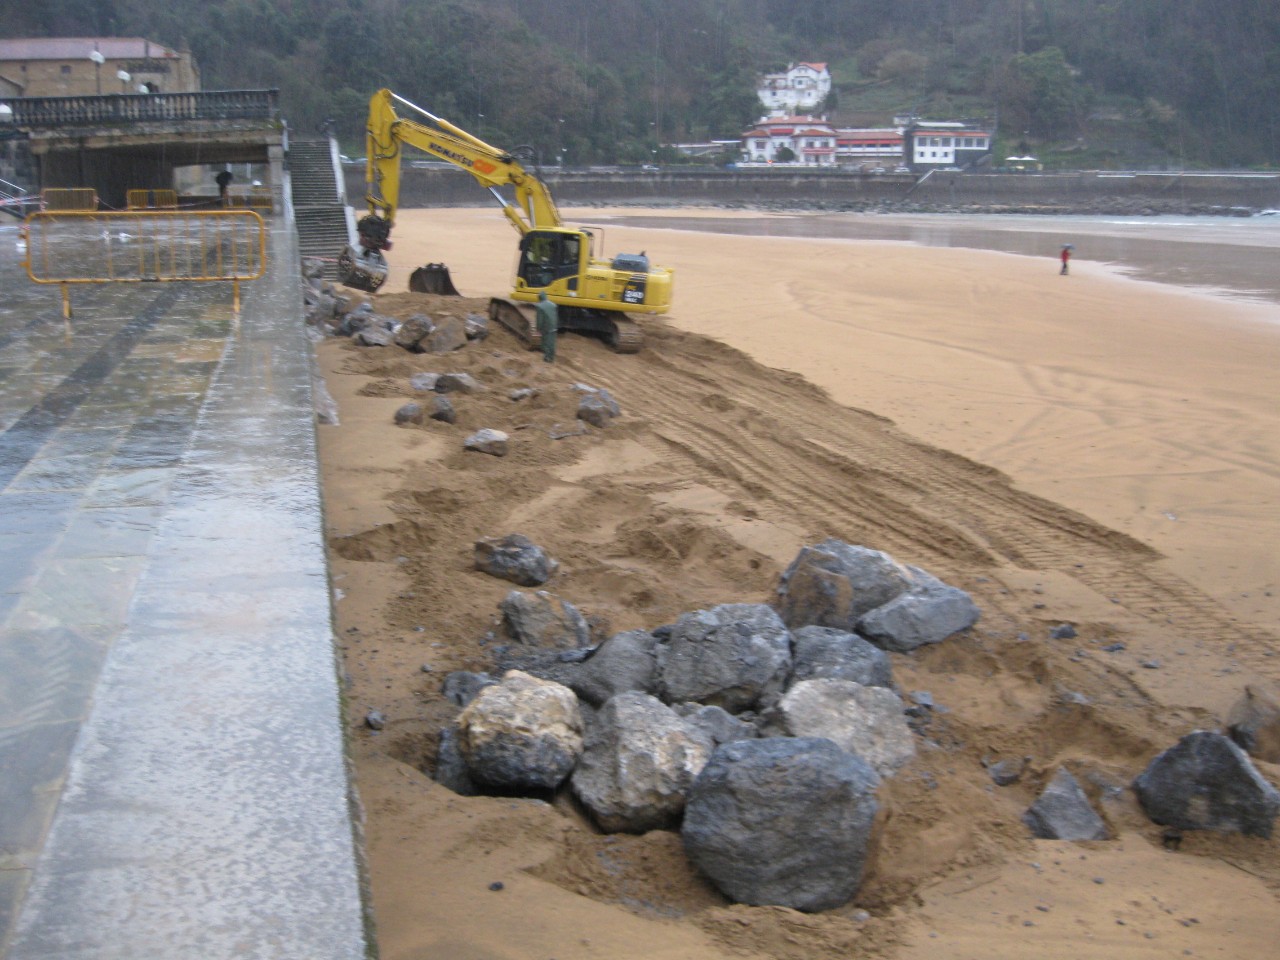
[172, 777]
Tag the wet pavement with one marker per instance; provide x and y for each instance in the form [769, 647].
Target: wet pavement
[173, 780]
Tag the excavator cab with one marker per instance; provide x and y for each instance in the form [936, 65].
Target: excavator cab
[550, 255]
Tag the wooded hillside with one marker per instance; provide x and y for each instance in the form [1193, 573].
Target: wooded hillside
[1082, 82]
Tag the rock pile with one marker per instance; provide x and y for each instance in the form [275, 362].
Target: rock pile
[773, 725]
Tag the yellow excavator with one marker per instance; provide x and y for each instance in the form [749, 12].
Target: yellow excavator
[594, 294]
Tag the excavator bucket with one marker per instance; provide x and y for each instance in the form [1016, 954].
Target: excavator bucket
[433, 278]
[363, 270]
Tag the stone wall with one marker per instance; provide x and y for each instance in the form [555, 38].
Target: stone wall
[1056, 193]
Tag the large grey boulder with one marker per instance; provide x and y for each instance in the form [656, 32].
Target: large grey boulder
[928, 612]
[638, 763]
[1254, 723]
[410, 333]
[626, 661]
[782, 821]
[516, 558]
[542, 620]
[869, 722]
[819, 653]
[458, 383]
[521, 734]
[1063, 812]
[424, 382]
[833, 583]
[448, 334]
[1206, 782]
[736, 656]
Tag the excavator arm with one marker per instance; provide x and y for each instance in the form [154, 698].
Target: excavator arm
[492, 168]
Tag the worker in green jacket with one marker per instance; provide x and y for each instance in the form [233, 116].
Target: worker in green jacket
[548, 323]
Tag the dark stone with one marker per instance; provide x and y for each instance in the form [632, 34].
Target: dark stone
[410, 333]
[409, 413]
[1063, 812]
[441, 408]
[784, 821]
[593, 410]
[1206, 782]
[929, 611]
[515, 558]
[834, 583]
[828, 653]
[1064, 631]
[626, 661]
[736, 656]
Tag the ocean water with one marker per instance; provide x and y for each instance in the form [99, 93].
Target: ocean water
[1235, 257]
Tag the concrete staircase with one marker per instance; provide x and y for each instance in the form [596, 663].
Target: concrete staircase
[319, 202]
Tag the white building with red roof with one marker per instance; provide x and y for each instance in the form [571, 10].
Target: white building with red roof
[802, 86]
[813, 141]
[801, 139]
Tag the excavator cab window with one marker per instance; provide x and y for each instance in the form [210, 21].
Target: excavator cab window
[546, 257]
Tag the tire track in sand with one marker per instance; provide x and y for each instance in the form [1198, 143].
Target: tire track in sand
[781, 444]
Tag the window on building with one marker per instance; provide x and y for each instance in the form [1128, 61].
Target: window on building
[66, 69]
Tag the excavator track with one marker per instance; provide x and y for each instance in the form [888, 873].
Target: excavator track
[621, 334]
[518, 318]
[627, 337]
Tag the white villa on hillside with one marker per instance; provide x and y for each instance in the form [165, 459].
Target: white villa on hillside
[802, 86]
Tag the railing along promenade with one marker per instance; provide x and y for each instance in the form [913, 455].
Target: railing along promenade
[110, 109]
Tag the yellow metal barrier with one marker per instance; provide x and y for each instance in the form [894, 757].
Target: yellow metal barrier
[145, 246]
[69, 198]
[152, 199]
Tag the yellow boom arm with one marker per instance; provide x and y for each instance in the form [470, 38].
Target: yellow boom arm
[491, 167]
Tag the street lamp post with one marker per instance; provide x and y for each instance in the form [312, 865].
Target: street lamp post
[124, 78]
[98, 60]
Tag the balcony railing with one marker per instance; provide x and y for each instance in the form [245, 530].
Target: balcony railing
[110, 109]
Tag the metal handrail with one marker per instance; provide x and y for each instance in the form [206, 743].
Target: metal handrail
[31, 112]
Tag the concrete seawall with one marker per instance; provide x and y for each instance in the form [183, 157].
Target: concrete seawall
[1059, 192]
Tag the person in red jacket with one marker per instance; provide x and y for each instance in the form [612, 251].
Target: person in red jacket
[1066, 258]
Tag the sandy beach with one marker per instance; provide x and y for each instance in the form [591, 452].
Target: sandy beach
[1090, 449]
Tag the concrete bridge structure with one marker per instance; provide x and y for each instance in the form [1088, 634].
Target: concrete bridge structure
[123, 142]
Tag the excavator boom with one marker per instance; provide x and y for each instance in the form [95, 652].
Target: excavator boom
[491, 167]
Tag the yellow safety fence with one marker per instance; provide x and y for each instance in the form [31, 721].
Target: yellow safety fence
[69, 198]
[145, 246]
[152, 199]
